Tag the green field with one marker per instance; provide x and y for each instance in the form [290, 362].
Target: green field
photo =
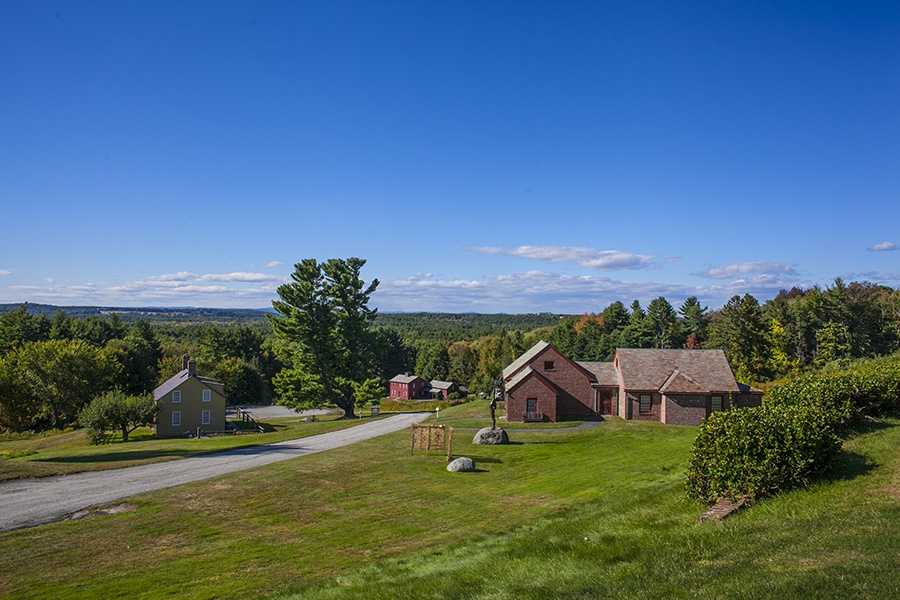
[562, 513]
[56, 453]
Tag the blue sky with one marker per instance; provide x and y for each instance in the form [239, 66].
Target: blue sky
[481, 156]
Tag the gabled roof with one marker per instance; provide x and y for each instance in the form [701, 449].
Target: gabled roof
[526, 358]
[441, 385]
[604, 372]
[524, 374]
[651, 369]
[182, 376]
[403, 378]
[679, 383]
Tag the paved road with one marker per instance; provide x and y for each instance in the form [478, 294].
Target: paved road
[28, 502]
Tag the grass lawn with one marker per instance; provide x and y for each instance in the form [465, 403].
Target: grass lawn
[71, 452]
[557, 514]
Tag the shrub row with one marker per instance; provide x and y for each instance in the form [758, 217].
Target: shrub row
[757, 451]
[871, 388]
[418, 405]
[793, 437]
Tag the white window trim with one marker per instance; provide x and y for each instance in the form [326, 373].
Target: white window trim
[207, 396]
[205, 418]
[176, 418]
[176, 396]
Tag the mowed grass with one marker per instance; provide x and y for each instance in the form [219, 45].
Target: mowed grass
[71, 451]
[556, 514]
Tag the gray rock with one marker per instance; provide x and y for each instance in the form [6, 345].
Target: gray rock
[461, 464]
[491, 436]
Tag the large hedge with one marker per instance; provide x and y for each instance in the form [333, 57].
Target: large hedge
[757, 451]
[870, 388]
[793, 437]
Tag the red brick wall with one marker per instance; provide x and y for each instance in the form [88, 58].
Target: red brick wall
[687, 410]
[517, 400]
[575, 397]
[633, 399]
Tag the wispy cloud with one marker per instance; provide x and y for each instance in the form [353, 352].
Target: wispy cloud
[756, 269]
[542, 291]
[5, 272]
[183, 276]
[872, 276]
[226, 290]
[882, 247]
[591, 258]
[272, 264]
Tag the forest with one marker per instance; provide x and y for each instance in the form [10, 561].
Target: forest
[51, 366]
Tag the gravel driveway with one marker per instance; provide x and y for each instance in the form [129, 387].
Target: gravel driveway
[28, 502]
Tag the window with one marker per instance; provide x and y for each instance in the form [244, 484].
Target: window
[548, 365]
[207, 395]
[646, 403]
[176, 418]
[715, 404]
[176, 396]
[204, 419]
[531, 405]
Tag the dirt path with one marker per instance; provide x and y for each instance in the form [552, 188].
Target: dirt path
[29, 502]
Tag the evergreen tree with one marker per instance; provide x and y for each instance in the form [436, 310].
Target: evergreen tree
[662, 323]
[325, 332]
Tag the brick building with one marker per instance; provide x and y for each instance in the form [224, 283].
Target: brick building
[682, 387]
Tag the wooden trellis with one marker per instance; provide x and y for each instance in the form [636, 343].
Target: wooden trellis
[431, 437]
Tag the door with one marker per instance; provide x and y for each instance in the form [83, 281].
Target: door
[606, 401]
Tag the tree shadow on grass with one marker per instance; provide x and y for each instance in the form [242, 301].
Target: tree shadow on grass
[118, 456]
[849, 465]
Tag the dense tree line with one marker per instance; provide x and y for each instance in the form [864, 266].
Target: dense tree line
[52, 367]
[795, 331]
[449, 327]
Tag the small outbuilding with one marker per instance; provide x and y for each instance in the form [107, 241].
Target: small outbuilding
[408, 387]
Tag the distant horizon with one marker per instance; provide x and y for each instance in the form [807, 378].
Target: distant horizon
[269, 309]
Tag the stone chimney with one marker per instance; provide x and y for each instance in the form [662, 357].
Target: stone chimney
[192, 368]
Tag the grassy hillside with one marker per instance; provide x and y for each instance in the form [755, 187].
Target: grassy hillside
[565, 513]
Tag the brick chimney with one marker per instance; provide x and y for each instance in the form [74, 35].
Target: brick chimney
[192, 368]
[185, 359]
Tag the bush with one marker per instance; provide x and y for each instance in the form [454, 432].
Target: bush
[871, 388]
[758, 451]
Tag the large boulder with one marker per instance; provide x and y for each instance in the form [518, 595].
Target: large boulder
[461, 465]
[491, 436]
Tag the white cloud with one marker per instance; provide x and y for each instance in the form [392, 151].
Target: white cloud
[273, 263]
[5, 272]
[225, 290]
[763, 270]
[872, 276]
[184, 276]
[882, 247]
[591, 258]
[531, 291]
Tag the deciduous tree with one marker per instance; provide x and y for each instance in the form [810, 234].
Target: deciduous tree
[115, 410]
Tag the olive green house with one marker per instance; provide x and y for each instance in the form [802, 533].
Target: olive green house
[189, 404]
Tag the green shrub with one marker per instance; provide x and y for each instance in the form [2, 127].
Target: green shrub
[871, 388]
[758, 451]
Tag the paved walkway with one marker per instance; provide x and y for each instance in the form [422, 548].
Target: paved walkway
[29, 502]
